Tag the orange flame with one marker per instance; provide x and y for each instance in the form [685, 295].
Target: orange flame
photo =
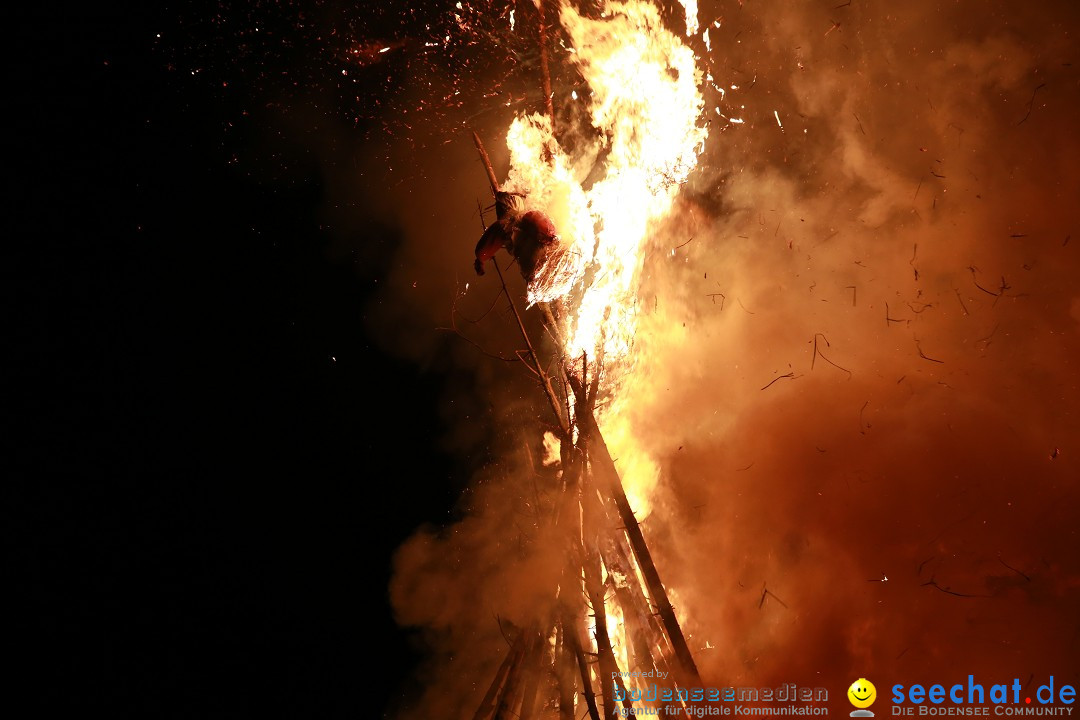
[645, 102]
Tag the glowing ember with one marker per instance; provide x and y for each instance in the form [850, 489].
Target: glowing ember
[552, 449]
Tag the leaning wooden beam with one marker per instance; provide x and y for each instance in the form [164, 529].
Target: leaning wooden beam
[617, 555]
[506, 692]
[604, 467]
[609, 669]
[487, 705]
[545, 73]
[492, 180]
[571, 599]
[571, 628]
[545, 380]
[511, 691]
[532, 677]
[593, 524]
[641, 627]
[647, 638]
[564, 674]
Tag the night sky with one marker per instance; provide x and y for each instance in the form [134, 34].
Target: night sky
[212, 456]
[241, 425]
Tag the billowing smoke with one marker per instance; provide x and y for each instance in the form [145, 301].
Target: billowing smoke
[857, 362]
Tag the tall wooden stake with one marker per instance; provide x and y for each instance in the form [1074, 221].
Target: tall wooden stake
[488, 704]
[532, 677]
[564, 673]
[605, 468]
[545, 381]
[570, 630]
[544, 71]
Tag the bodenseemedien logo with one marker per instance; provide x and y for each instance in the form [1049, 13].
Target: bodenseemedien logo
[862, 695]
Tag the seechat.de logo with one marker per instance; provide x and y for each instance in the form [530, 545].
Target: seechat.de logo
[973, 698]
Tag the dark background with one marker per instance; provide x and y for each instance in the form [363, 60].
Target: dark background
[214, 463]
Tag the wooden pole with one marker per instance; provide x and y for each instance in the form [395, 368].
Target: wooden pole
[571, 599]
[532, 677]
[617, 556]
[511, 691]
[610, 678]
[564, 673]
[545, 381]
[605, 657]
[604, 467]
[487, 163]
[571, 631]
[545, 73]
[487, 705]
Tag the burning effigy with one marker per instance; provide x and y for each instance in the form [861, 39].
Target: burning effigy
[526, 235]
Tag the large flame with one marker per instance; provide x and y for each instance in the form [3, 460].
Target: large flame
[691, 8]
[645, 105]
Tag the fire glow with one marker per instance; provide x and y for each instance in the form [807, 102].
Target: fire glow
[786, 376]
[646, 102]
[581, 245]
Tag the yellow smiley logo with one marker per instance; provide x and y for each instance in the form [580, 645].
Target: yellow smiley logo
[862, 693]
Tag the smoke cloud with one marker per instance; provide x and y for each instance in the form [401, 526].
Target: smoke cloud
[857, 362]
